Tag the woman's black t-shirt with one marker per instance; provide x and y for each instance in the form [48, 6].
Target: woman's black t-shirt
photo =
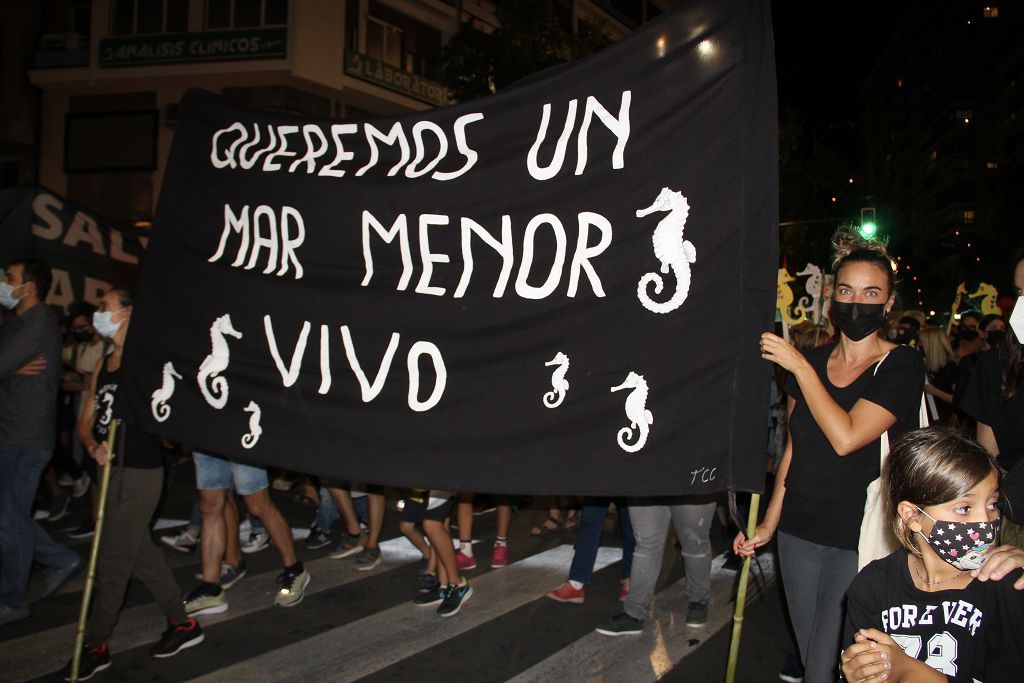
[825, 493]
[970, 634]
[141, 450]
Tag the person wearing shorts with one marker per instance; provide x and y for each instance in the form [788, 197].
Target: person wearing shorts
[214, 476]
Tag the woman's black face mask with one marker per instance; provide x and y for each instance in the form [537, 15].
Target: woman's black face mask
[857, 320]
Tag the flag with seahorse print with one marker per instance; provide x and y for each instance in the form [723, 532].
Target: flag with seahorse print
[558, 288]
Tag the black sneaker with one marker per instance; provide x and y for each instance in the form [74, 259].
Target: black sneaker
[177, 637]
[434, 596]
[348, 545]
[621, 625]
[428, 582]
[317, 539]
[367, 559]
[454, 597]
[697, 614]
[59, 507]
[84, 530]
[94, 659]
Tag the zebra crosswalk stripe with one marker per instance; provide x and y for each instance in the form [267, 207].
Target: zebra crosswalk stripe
[362, 647]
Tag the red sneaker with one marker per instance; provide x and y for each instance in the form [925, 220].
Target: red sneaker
[499, 558]
[566, 593]
[466, 562]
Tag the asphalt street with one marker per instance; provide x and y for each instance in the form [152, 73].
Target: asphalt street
[356, 625]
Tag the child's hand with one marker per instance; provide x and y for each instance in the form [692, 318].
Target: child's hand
[875, 656]
[1002, 561]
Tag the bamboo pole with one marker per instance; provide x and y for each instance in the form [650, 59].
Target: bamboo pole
[90, 578]
[741, 594]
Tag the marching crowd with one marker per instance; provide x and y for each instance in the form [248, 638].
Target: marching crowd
[852, 405]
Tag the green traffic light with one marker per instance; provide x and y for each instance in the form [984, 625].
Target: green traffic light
[869, 229]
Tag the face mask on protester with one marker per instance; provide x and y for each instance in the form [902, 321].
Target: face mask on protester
[81, 335]
[7, 299]
[857, 320]
[995, 337]
[104, 325]
[1017, 319]
[965, 545]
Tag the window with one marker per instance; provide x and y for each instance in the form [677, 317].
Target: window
[934, 155]
[384, 41]
[134, 17]
[992, 165]
[969, 216]
[990, 12]
[110, 141]
[245, 13]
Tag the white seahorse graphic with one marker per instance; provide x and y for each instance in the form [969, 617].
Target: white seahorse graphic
[160, 397]
[250, 439]
[640, 418]
[813, 287]
[559, 384]
[217, 362]
[105, 404]
[671, 249]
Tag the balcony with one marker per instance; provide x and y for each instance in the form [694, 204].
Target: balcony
[61, 50]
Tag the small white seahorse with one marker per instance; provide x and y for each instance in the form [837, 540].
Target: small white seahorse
[250, 439]
[160, 397]
[217, 362]
[640, 419]
[559, 384]
[675, 253]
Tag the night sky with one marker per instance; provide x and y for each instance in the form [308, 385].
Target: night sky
[824, 53]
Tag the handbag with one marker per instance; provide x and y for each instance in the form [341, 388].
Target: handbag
[876, 539]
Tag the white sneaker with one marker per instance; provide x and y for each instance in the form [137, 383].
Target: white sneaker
[80, 486]
[256, 543]
[184, 541]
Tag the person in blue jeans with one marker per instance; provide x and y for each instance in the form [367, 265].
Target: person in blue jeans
[588, 540]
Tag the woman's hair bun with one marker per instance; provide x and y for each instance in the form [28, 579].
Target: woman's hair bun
[847, 242]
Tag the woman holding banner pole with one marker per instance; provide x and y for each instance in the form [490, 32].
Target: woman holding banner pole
[841, 398]
[136, 483]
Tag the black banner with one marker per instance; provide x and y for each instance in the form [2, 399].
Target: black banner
[557, 289]
[88, 255]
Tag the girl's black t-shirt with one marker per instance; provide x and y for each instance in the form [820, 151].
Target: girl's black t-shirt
[969, 634]
[141, 450]
[825, 493]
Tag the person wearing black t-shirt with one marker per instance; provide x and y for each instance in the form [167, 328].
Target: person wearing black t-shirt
[938, 609]
[136, 484]
[841, 399]
[994, 396]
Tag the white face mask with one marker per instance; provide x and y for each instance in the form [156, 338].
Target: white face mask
[104, 325]
[1017, 319]
[7, 299]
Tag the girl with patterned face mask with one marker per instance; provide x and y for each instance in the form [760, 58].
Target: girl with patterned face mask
[944, 606]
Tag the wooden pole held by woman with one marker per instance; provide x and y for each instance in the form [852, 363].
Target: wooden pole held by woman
[90, 579]
[741, 593]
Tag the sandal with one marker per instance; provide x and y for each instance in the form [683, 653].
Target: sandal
[545, 527]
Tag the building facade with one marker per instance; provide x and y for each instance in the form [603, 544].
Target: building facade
[106, 75]
[944, 149]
